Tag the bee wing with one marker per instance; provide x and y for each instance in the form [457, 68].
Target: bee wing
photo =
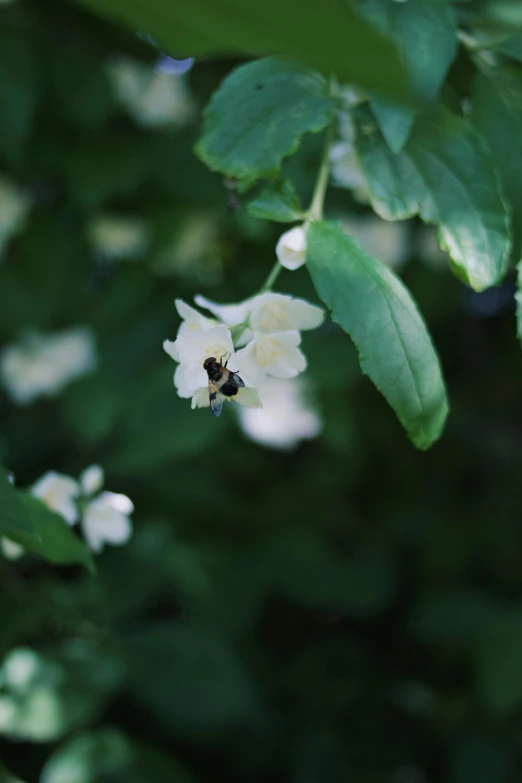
[236, 380]
[216, 399]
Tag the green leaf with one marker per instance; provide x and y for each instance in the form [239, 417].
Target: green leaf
[376, 310]
[497, 113]
[258, 115]
[19, 91]
[53, 539]
[450, 159]
[393, 184]
[278, 202]
[425, 35]
[325, 35]
[518, 299]
[435, 175]
[14, 517]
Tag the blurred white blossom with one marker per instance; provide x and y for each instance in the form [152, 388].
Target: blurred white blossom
[106, 520]
[104, 516]
[41, 365]
[152, 98]
[286, 417]
[345, 166]
[291, 248]
[14, 207]
[275, 354]
[59, 493]
[10, 549]
[388, 242]
[116, 237]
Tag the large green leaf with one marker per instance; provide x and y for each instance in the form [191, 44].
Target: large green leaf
[426, 36]
[277, 201]
[53, 539]
[325, 35]
[376, 310]
[14, 517]
[451, 159]
[258, 116]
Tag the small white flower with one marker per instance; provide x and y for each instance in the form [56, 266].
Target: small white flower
[91, 480]
[42, 365]
[59, 493]
[118, 237]
[346, 170]
[271, 354]
[106, 520]
[152, 98]
[291, 248]
[286, 417]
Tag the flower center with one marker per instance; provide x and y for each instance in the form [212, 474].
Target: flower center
[274, 318]
[267, 351]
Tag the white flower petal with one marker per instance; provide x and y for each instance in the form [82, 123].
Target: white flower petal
[248, 397]
[91, 480]
[291, 248]
[169, 346]
[198, 346]
[285, 419]
[193, 321]
[58, 492]
[188, 378]
[271, 354]
[10, 549]
[200, 398]
[232, 314]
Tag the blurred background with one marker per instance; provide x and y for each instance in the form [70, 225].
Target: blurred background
[305, 597]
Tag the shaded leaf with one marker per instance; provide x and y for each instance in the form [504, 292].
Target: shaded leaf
[278, 201]
[353, 50]
[14, 517]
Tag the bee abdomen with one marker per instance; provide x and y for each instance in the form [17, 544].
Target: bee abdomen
[229, 389]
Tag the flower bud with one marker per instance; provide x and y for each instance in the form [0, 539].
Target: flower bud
[291, 248]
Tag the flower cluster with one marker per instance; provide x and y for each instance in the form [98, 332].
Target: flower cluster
[260, 338]
[104, 516]
[41, 365]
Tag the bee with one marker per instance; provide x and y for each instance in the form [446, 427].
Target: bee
[221, 383]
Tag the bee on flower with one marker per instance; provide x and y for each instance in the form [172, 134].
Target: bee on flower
[260, 338]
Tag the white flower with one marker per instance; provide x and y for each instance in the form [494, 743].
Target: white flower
[118, 237]
[388, 242]
[285, 419]
[271, 354]
[192, 321]
[106, 519]
[152, 98]
[59, 493]
[291, 248]
[42, 365]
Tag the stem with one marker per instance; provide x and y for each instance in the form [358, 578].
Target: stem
[272, 277]
[315, 211]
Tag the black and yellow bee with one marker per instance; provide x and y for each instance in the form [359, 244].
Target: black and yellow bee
[221, 383]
